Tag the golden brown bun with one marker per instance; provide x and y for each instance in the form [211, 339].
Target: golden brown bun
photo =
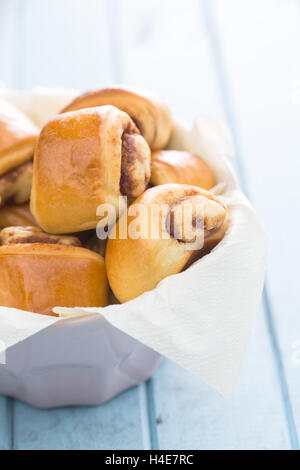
[151, 116]
[16, 215]
[37, 277]
[138, 265]
[21, 235]
[84, 159]
[18, 136]
[173, 166]
[15, 185]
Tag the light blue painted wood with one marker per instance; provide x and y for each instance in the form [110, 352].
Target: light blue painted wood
[182, 69]
[261, 52]
[9, 42]
[63, 43]
[164, 48]
[115, 425]
[192, 416]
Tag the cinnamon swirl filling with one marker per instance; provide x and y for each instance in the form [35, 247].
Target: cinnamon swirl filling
[135, 164]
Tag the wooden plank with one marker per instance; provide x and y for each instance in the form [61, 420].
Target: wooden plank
[8, 43]
[114, 425]
[166, 48]
[260, 42]
[192, 416]
[66, 44]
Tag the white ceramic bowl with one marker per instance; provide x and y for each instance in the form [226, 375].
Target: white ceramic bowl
[83, 361]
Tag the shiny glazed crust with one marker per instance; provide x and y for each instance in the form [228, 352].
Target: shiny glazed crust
[151, 116]
[18, 137]
[16, 215]
[82, 159]
[37, 277]
[173, 166]
[138, 265]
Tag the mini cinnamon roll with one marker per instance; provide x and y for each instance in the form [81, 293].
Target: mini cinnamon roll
[150, 115]
[16, 215]
[39, 271]
[18, 137]
[15, 185]
[182, 223]
[84, 159]
[173, 166]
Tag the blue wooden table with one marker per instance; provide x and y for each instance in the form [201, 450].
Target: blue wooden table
[238, 60]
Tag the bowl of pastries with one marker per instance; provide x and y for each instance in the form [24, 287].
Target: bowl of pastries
[115, 147]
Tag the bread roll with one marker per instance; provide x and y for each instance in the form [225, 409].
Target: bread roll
[16, 215]
[15, 185]
[84, 159]
[18, 136]
[167, 246]
[173, 166]
[39, 276]
[151, 116]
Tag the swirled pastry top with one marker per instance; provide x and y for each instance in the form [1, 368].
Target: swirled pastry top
[182, 224]
[149, 113]
[18, 136]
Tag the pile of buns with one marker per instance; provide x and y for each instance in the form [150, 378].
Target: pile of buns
[105, 146]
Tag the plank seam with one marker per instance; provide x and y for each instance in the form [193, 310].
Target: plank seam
[229, 113]
[10, 406]
[280, 370]
[152, 425]
[144, 416]
[148, 415]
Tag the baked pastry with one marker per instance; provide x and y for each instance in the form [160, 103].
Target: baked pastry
[15, 185]
[150, 115]
[169, 243]
[38, 273]
[84, 159]
[16, 215]
[18, 136]
[173, 166]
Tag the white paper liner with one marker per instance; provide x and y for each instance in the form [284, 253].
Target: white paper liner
[201, 318]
